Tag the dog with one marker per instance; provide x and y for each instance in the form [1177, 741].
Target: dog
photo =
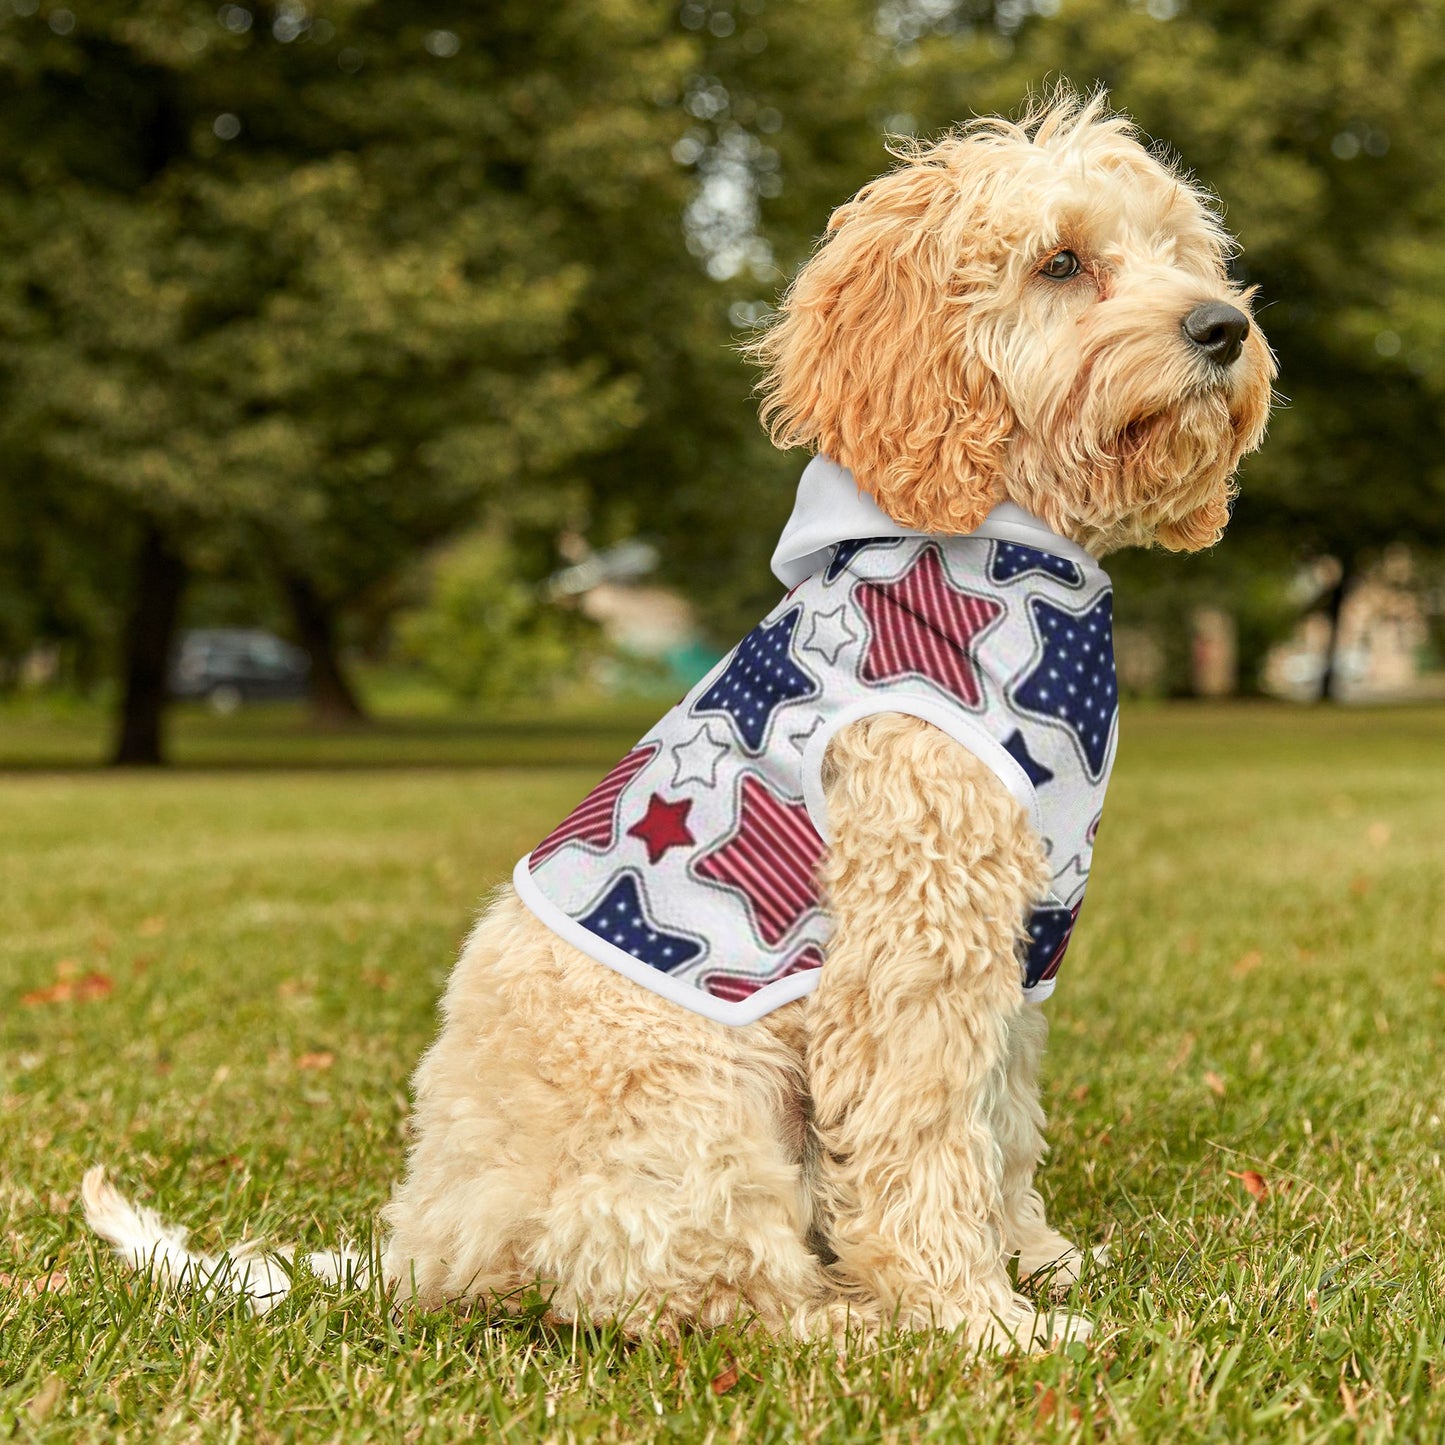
[755, 1032]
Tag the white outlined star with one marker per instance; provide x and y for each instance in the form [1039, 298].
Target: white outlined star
[829, 634]
[800, 740]
[697, 759]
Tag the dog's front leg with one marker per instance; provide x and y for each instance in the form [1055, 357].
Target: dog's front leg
[931, 869]
[1043, 1253]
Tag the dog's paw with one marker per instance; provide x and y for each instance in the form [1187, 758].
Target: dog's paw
[1060, 1327]
[1058, 1270]
[1023, 1326]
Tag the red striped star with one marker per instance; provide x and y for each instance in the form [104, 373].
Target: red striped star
[734, 987]
[663, 826]
[923, 626]
[770, 859]
[594, 819]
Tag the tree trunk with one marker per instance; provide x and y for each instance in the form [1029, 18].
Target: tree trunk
[1329, 676]
[160, 578]
[333, 699]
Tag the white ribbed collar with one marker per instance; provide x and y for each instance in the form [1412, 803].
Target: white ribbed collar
[829, 509]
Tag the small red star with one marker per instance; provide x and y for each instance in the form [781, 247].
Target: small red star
[663, 826]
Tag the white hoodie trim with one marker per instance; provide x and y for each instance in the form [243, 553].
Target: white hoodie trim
[830, 508]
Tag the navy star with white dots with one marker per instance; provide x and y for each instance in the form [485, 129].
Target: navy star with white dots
[845, 552]
[1013, 559]
[1073, 682]
[621, 919]
[760, 678]
[1018, 750]
[1049, 933]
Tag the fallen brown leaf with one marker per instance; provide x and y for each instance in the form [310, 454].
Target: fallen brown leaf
[321, 1059]
[1255, 1184]
[1247, 963]
[723, 1382]
[1046, 1408]
[56, 1282]
[1440, 980]
[1360, 885]
[56, 993]
[1214, 1083]
[67, 990]
[1080, 1094]
[377, 978]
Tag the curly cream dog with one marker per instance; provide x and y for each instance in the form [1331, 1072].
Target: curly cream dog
[1032, 313]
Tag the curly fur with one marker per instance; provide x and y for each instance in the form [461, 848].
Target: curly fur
[865, 1156]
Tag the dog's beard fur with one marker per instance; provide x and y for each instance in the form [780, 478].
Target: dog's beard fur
[1138, 441]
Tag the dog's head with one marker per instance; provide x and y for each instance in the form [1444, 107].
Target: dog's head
[1037, 311]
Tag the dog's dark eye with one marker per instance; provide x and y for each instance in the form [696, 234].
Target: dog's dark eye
[1060, 266]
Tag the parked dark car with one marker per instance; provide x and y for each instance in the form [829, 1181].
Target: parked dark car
[230, 665]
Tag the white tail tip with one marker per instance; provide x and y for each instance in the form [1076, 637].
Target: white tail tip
[147, 1243]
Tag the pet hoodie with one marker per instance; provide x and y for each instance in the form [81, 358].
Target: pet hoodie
[691, 867]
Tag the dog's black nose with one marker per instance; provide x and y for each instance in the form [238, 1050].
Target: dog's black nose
[1218, 330]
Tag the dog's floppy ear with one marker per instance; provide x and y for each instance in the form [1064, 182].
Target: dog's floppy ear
[873, 361]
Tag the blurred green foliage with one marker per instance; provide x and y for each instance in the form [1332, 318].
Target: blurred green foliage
[486, 634]
[308, 289]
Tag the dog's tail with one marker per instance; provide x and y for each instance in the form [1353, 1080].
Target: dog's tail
[147, 1243]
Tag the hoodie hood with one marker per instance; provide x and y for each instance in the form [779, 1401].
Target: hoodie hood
[830, 508]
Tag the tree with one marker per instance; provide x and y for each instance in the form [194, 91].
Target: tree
[291, 283]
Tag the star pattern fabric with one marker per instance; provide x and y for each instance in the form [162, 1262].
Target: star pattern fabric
[1013, 559]
[1018, 750]
[594, 820]
[845, 552]
[696, 760]
[693, 867]
[620, 918]
[736, 986]
[1049, 931]
[770, 859]
[663, 826]
[829, 633]
[923, 626]
[1073, 684]
[761, 678]
[799, 740]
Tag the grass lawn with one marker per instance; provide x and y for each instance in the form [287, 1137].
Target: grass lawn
[216, 981]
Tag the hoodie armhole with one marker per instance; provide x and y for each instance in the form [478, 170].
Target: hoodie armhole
[961, 728]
